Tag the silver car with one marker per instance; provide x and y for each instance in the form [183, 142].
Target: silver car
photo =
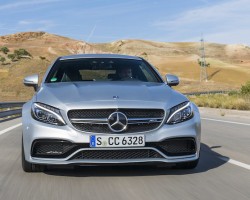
[98, 109]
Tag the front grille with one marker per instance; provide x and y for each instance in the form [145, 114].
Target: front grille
[117, 154]
[104, 113]
[62, 149]
[95, 126]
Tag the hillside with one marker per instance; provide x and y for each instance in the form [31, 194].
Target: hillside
[229, 64]
[44, 48]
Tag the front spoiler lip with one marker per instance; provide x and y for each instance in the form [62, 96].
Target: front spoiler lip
[66, 161]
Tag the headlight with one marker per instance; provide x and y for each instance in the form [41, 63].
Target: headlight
[47, 114]
[180, 113]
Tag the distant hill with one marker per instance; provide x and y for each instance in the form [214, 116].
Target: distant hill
[229, 64]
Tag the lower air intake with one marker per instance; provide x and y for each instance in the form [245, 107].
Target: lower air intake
[117, 154]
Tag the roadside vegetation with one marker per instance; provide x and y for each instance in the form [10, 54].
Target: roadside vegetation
[234, 100]
[7, 56]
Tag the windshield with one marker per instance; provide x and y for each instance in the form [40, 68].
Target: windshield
[102, 69]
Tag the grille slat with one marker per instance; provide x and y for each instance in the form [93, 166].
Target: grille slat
[96, 114]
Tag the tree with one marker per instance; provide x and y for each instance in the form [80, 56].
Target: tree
[4, 50]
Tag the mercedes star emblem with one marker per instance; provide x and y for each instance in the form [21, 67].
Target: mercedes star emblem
[117, 122]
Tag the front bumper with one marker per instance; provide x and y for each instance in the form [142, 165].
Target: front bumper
[67, 152]
[34, 131]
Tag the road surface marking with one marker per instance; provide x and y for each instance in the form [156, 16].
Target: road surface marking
[10, 128]
[235, 162]
[231, 122]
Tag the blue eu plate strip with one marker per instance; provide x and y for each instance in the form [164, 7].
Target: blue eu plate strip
[92, 141]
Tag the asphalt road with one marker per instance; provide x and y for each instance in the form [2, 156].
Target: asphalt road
[223, 171]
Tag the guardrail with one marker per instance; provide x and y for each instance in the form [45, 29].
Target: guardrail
[10, 109]
[209, 92]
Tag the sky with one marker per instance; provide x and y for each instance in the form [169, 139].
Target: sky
[219, 21]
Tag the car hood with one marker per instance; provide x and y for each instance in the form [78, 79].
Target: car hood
[108, 94]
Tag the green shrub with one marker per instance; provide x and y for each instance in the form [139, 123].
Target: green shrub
[21, 52]
[232, 93]
[245, 89]
[12, 57]
[42, 57]
[4, 50]
[2, 59]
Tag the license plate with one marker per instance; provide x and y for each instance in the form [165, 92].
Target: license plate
[117, 141]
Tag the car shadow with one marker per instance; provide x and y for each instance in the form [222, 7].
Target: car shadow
[208, 160]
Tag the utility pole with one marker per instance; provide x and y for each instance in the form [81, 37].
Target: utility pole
[202, 62]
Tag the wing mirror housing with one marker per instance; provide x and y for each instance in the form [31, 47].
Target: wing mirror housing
[31, 81]
[172, 80]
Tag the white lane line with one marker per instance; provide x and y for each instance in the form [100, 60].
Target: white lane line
[10, 128]
[231, 122]
[235, 162]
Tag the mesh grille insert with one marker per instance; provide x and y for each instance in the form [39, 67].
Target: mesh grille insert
[117, 154]
[53, 148]
[176, 146]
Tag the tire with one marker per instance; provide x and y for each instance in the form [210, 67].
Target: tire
[187, 165]
[29, 167]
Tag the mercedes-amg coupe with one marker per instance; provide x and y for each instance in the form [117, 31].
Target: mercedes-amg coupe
[99, 109]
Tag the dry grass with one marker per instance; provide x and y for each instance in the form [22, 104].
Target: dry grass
[222, 101]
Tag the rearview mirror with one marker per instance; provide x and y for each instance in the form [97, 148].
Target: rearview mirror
[172, 80]
[31, 81]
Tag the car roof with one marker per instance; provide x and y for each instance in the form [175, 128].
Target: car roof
[79, 56]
